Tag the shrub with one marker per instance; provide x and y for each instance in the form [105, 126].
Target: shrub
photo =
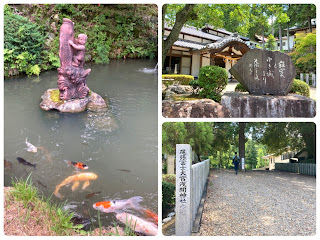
[23, 43]
[240, 88]
[168, 195]
[300, 87]
[213, 80]
[171, 178]
[178, 79]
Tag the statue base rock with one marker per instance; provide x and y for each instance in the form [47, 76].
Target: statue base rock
[93, 102]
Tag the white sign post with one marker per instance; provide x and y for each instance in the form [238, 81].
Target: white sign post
[183, 190]
[242, 164]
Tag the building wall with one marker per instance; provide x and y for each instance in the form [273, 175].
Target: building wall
[195, 65]
[206, 60]
[185, 65]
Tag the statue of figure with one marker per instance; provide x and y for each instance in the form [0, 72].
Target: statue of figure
[72, 78]
[79, 47]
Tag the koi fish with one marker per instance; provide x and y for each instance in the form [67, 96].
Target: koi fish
[76, 179]
[77, 165]
[115, 205]
[7, 164]
[92, 194]
[25, 162]
[138, 224]
[149, 214]
[31, 148]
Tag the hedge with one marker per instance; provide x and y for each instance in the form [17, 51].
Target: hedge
[298, 87]
[171, 178]
[168, 195]
[178, 79]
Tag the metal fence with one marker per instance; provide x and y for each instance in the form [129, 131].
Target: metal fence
[301, 168]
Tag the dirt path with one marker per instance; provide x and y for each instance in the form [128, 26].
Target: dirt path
[259, 203]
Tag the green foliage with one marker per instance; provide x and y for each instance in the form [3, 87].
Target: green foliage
[172, 134]
[271, 43]
[168, 195]
[300, 87]
[178, 79]
[240, 88]
[171, 178]
[304, 54]
[126, 31]
[23, 43]
[213, 80]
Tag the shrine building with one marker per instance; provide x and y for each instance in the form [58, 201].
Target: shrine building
[197, 48]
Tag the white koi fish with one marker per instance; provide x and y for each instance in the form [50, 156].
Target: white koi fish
[31, 148]
[116, 205]
[138, 224]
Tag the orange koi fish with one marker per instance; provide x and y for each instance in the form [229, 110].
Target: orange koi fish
[138, 224]
[81, 177]
[149, 214]
[77, 165]
[116, 205]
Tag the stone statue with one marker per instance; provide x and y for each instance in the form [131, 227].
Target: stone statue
[72, 78]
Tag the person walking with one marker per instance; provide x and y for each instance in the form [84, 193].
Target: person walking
[236, 161]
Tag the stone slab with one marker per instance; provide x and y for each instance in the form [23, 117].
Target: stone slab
[183, 190]
[265, 72]
[93, 102]
[204, 108]
[266, 106]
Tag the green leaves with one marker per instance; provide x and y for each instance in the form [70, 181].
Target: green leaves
[213, 80]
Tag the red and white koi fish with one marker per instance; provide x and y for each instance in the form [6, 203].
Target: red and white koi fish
[77, 165]
[31, 148]
[149, 214]
[138, 224]
[116, 205]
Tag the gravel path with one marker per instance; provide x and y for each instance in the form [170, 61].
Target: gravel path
[259, 203]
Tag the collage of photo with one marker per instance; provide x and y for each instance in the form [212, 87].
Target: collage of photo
[157, 119]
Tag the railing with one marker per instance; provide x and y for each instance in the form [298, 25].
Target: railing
[200, 172]
[301, 168]
[305, 77]
[190, 183]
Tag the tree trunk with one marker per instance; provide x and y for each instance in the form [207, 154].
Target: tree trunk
[181, 18]
[288, 42]
[280, 36]
[242, 144]
[310, 24]
[263, 42]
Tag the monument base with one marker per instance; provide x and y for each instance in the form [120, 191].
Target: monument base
[93, 102]
[204, 108]
[267, 106]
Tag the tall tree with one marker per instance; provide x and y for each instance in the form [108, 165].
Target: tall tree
[302, 14]
[242, 142]
[172, 134]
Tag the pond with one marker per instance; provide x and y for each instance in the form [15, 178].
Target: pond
[119, 146]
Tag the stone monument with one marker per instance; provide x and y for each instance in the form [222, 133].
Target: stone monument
[73, 94]
[268, 77]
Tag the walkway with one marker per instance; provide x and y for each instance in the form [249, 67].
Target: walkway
[259, 203]
[232, 85]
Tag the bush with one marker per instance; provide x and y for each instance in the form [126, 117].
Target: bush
[240, 88]
[23, 43]
[213, 80]
[300, 87]
[168, 195]
[171, 178]
[178, 79]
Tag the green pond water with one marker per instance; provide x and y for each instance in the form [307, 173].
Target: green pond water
[120, 146]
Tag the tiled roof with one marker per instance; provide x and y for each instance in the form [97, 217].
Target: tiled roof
[194, 31]
[189, 44]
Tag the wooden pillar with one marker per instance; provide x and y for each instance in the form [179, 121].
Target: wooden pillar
[191, 64]
[212, 61]
[200, 60]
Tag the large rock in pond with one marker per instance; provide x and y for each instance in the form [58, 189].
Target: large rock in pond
[93, 102]
[265, 72]
[204, 108]
[266, 106]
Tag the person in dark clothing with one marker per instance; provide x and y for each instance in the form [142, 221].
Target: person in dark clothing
[236, 161]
